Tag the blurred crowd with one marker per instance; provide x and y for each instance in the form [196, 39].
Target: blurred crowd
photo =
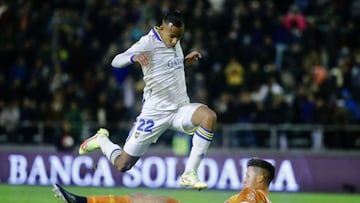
[264, 61]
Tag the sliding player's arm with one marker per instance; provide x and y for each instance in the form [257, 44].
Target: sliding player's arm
[244, 196]
[146, 198]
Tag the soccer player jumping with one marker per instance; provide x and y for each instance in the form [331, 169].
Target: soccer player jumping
[166, 104]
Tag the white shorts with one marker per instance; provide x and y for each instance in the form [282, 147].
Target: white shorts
[151, 124]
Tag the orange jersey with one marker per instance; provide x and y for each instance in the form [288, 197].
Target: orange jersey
[248, 195]
[135, 198]
[109, 199]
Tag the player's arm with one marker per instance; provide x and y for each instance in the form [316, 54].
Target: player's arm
[232, 199]
[145, 198]
[192, 57]
[244, 196]
[137, 53]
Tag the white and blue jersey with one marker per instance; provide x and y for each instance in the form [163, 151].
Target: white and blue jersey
[166, 103]
[164, 77]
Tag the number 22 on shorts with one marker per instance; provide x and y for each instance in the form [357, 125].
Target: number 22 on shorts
[145, 125]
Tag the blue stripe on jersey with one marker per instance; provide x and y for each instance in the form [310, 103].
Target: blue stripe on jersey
[156, 34]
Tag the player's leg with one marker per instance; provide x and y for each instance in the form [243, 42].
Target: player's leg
[201, 124]
[119, 157]
[113, 152]
[66, 196]
[149, 126]
[205, 119]
[101, 141]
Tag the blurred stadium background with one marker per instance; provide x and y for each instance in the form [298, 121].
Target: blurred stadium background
[282, 75]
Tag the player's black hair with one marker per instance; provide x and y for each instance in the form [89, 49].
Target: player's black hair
[264, 165]
[175, 17]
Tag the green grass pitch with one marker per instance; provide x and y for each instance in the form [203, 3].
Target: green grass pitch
[43, 194]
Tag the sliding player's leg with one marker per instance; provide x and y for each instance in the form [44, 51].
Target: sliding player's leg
[68, 197]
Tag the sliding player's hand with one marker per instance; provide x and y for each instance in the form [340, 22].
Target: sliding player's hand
[143, 59]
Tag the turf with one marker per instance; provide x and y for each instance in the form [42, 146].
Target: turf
[43, 194]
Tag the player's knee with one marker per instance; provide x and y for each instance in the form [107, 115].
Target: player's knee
[211, 115]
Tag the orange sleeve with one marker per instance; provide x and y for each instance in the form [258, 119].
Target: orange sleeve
[171, 200]
[246, 195]
[109, 199]
[232, 199]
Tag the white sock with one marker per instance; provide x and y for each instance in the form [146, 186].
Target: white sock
[201, 142]
[109, 149]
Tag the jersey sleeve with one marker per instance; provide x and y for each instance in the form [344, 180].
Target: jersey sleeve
[126, 58]
[232, 199]
[244, 196]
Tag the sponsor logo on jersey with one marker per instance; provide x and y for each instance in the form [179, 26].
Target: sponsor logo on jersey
[176, 63]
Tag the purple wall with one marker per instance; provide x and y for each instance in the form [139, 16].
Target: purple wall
[294, 173]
